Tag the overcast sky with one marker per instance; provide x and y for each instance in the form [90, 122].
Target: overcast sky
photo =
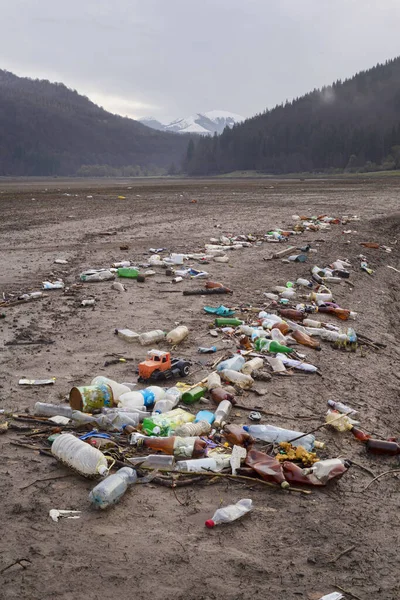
[172, 58]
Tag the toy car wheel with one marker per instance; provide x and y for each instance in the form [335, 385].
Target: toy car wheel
[185, 371]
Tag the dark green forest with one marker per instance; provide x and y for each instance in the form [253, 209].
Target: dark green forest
[352, 125]
[49, 129]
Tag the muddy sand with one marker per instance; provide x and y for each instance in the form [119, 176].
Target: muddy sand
[153, 544]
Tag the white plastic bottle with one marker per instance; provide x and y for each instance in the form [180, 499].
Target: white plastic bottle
[303, 282]
[213, 381]
[112, 488]
[290, 294]
[230, 513]
[78, 455]
[252, 365]
[297, 364]
[324, 469]
[193, 429]
[278, 336]
[44, 409]
[168, 402]
[151, 337]
[342, 408]
[177, 335]
[222, 412]
[117, 388]
[157, 391]
[312, 323]
[123, 263]
[215, 463]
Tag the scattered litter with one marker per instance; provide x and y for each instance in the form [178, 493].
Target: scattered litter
[64, 514]
[25, 381]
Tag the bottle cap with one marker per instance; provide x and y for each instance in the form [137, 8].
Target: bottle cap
[210, 524]
[319, 445]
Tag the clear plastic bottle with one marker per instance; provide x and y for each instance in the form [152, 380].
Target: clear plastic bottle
[312, 323]
[274, 435]
[117, 388]
[157, 391]
[168, 402]
[112, 488]
[235, 363]
[202, 464]
[128, 335]
[123, 263]
[342, 408]
[253, 365]
[239, 379]
[154, 461]
[278, 336]
[131, 400]
[151, 337]
[303, 282]
[44, 409]
[297, 364]
[177, 335]
[78, 455]
[213, 381]
[193, 429]
[221, 414]
[230, 513]
[93, 276]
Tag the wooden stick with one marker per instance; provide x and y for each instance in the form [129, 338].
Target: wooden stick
[341, 554]
[363, 468]
[46, 479]
[348, 592]
[379, 476]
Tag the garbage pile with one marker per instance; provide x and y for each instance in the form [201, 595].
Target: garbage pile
[185, 434]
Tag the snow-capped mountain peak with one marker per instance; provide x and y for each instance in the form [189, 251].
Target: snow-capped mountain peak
[208, 123]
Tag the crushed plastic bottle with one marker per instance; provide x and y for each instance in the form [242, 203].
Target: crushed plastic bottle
[274, 435]
[112, 488]
[230, 513]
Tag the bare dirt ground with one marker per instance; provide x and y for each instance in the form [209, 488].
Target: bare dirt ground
[151, 545]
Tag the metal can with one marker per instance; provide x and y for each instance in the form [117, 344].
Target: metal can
[91, 397]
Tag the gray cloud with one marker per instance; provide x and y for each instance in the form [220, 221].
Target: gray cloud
[170, 58]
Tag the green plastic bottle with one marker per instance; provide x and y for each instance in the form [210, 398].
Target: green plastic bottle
[262, 344]
[228, 322]
[165, 423]
[130, 272]
[193, 395]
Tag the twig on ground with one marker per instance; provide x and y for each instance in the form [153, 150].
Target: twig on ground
[341, 554]
[17, 562]
[363, 468]
[347, 592]
[46, 479]
[379, 476]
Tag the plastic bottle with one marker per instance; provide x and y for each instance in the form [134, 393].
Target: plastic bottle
[253, 365]
[168, 402]
[234, 364]
[112, 488]
[291, 313]
[305, 340]
[164, 423]
[383, 447]
[236, 378]
[107, 421]
[193, 429]
[282, 327]
[230, 513]
[132, 400]
[303, 282]
[268, 467]
[341, 313]
[213, 381]
[278, 336]
[78, 455]
[154, 461]
[295, 474]
[219, 394]
[221, 414]
[205, 415]
[151, 337]
[201, 464]
[188, 447]
[193, 395]
[236, 436]
[140, 411]
[157, 391]
[312, 323]
[289, 294]
[127, 335]
[44, 409]
[93, 276]
[228, 322]
[297, 364]
[324, 470]
[263, 345]
[129, 272]
[123, 263]
[275, 435]
[342, 408]
[320, 297]
[177, 335]
[117, 388]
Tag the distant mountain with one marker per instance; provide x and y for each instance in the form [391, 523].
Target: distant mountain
[207, 123]
[352, 125]
[48, 129]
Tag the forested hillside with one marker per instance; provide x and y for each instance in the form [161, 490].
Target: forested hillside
[353, 125]
[47, 129]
